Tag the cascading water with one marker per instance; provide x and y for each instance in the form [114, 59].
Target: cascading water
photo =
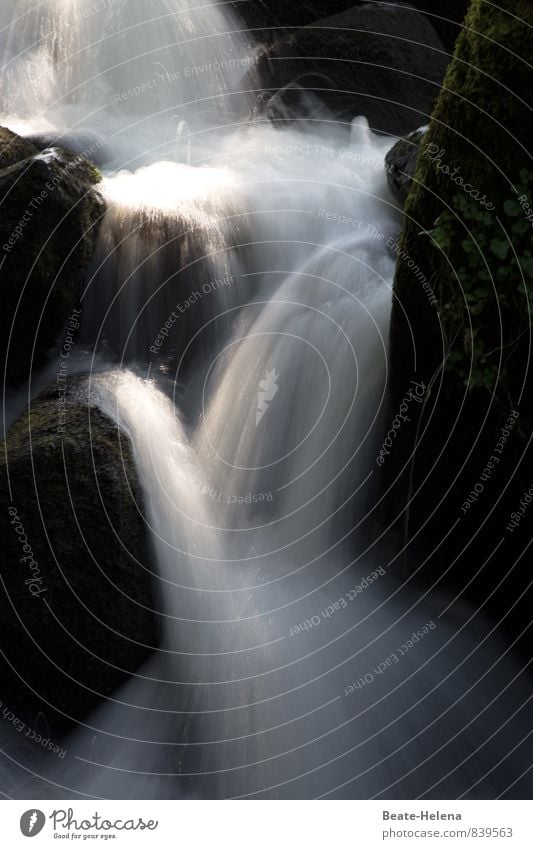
[255, 273]
[146, 68]
[261, 683]
[171, 225]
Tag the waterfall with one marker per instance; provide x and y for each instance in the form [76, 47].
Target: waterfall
[313, 332]
[246, 266]
[123, 66]
[164, 263]
[282, 674]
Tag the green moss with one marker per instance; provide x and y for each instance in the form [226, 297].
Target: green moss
[478, 135]
[493, 266]
[13, 148]
[48, 226]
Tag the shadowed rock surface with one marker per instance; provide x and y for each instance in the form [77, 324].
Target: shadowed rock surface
[382, 62]
[401, 163]
[76, 614]
[267, 16]
[49, 211]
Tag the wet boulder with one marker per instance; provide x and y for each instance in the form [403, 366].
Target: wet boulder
[384, 62]
[14, 148]
[77, 595]
[93, 146]
[49, 214]
[401, 162]
[267, 17]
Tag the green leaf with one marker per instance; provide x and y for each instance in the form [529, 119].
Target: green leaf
[520, 227]
[512, 208]
[500, 248]
[441, 239]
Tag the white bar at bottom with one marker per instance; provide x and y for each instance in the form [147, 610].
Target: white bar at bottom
[268, 824]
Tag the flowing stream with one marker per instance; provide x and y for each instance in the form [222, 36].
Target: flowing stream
[240, 295]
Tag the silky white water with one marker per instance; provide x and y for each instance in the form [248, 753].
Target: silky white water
[146, 68]
[240, 296]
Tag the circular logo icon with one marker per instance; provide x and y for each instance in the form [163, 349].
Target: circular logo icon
[32, 822]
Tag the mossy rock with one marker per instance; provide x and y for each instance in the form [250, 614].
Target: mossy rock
[92, 146]
[477, 135]
[14, 148]
[77, 616]
[401, 162]
[50, 212]
[472, 350]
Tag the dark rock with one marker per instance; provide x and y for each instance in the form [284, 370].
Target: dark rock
[49, 216]
[76, 616]
[401, 161]
[473, 349]
[92, 146]
[384, 62]
[446, 16]
[13, 148]
[267, 17]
